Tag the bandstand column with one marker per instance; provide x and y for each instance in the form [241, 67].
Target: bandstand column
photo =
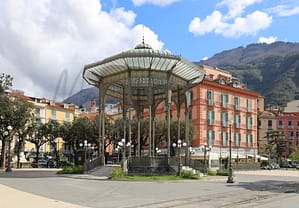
[102, 126]
[168, 121]
[187, 121]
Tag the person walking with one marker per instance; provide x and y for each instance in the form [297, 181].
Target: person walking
[108, 150]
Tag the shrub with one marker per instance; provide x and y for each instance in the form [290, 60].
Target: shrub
[211, 172]
[72, 169]
[117, 173]
[222, 172]
[189, 174]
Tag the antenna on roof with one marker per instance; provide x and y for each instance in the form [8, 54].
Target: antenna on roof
[142, 34]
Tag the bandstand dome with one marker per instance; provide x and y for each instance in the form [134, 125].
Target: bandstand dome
[142, 72]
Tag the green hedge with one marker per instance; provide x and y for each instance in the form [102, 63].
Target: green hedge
[72, 169]
[222, 172]
[189, 174]
[117, 173]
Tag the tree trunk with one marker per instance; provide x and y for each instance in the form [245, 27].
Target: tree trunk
[2, 164]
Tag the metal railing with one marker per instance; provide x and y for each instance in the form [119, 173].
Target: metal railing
[89, 165]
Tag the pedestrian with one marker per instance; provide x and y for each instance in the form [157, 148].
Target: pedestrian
[108, 150]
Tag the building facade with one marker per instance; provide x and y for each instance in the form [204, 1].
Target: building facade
[222, 109]
[44, 111]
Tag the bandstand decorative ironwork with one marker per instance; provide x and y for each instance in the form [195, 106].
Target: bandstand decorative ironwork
[142, 78]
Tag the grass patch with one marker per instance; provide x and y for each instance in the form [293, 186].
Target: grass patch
[117, 174]
[72, 169]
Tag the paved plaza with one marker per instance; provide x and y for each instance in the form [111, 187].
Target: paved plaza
[43, 188]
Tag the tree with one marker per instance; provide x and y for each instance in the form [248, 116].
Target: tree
[5, 82]
[38, 136]
[20, 142]
[52, 132]
[81, 129]
[65, 133]
[295, 155]
[16, 113]
[277, 145]
[160, 131]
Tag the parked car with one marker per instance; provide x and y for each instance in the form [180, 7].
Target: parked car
[40, 164]
[271, 166]
[275, 165]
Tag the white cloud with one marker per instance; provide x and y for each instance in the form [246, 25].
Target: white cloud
[42, 39]
[248, 25]
[234, 23]
[215, 23]
[154, 2]
[236, 8]
[211, 23]
[285, 10]
[267, 40]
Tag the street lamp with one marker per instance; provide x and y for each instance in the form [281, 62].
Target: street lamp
[191, 151]
[7, 133]
[85, 145]
[230, 178]
[206, 148]
[179, 145]
[119, 149]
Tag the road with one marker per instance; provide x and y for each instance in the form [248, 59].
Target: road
[259, 189]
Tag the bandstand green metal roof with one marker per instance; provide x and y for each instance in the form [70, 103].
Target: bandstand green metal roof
[145, 68]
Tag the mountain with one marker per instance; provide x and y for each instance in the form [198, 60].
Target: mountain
[269, 69]
[84, 96]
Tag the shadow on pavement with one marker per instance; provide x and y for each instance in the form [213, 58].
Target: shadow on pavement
[36, 173]
[272, 186]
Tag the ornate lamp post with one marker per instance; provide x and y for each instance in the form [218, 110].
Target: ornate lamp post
[121, 150]
[179, 145]
[7, 133]
[206, 148]
[230, 178]
[85, 145]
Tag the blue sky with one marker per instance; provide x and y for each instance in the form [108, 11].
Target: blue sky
[171, 23]
[46, 43]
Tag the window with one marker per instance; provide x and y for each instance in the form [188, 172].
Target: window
[249, 140]
[53, 114]
[224, 100]
[249, 122]
[270, 124]
[189, 97]
[67, 116]
[237, 103]
[260, 124]
[210, 97]
[297, 124]
[249, 105]
[290, 135]
[211, 117]
[211, 137]
[37, 112]
[237, 121]
[224, 119]
[280, 124]
[224, 138]
[290, 126]
[237, 138]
